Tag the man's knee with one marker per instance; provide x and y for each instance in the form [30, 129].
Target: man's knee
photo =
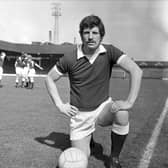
[122, 117]
[83, 144]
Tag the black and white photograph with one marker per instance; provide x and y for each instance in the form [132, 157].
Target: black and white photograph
[83, 83]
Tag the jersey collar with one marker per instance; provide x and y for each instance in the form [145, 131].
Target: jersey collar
[80, 53]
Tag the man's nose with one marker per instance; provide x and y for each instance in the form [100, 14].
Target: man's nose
[90, 36]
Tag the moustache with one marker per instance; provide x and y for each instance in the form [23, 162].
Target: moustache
[90, 41]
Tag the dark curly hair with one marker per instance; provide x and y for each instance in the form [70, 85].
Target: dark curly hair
[90, 22]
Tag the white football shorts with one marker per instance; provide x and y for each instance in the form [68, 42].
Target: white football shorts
[19, 71]
[32, 72]
[1, 72]
[84, 123]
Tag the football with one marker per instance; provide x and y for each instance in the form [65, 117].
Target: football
[72, 158]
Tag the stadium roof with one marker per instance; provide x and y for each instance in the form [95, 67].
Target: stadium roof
[153, 64]
[34, 48]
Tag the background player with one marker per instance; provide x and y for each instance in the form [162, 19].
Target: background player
[19, 67]
[31, 71]
[2, 58]
[89, 66]
[25, 70]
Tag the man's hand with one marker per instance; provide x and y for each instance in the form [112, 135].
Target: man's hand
[68, 109]
[121, 105]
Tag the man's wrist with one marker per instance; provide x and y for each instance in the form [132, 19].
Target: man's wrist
[58, 105]
[131, 102]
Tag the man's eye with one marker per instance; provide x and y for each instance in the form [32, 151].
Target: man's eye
[95, 33]
[85, 32]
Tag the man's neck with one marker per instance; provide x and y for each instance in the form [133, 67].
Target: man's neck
[88, 52]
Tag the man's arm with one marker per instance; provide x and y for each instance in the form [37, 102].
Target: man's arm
[52, 77]
[15, 64]
[135, 75]
[38, 66]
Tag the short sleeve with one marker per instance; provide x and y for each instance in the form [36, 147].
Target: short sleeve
[115, 54]
[62, 65]
[65, 63]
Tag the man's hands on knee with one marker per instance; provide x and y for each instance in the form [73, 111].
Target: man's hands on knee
[121, 105]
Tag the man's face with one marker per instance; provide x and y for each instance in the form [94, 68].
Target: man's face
[91, 38]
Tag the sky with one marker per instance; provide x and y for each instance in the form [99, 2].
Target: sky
[127, 23]
[31, 20]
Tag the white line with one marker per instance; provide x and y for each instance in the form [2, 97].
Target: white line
[36, 75]
[147, 155]
[166, 78]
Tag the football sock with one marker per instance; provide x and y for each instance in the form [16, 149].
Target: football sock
[31, 85]
[118, 137]
[117, 144]
[22, 85]
[16, 84]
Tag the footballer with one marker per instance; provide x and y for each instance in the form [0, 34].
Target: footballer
[2, 58]
[89, 66]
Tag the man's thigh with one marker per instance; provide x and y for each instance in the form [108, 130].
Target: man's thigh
[106, 117]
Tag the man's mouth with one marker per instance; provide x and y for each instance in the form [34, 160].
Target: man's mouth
[91, 43]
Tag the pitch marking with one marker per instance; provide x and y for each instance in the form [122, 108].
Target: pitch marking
[146, 157]
[36, 75]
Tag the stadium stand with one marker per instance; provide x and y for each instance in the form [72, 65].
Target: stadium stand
[151, 70]
[46, 54]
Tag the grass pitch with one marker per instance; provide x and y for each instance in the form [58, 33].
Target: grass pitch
[33, 133]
